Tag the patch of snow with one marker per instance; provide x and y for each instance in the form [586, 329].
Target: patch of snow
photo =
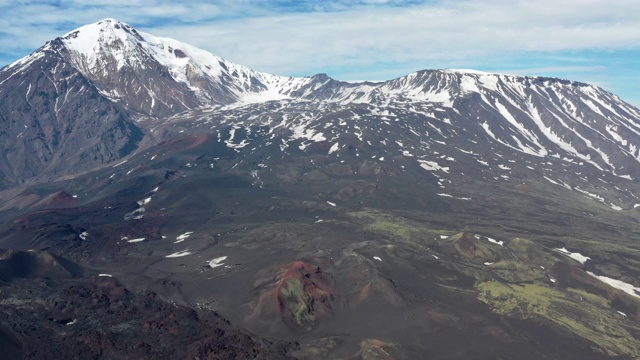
[183, 237]
[551, 181]
[135, 214]
[443, 237]
[432, 166]
[377, 258]
[523, 130]
[84, 235]
[179, 254]
[330, 203]
[575, 256]
[501, 243]
[217, 262]
[618, 284]
[555, 138]
[597, 197]
[105, 275]
[136, 240]
[260, 97]
[485, 126]
[488, 263]
[144, 201]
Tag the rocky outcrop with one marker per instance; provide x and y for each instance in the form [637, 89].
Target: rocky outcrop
[98, 318]
[299, 292]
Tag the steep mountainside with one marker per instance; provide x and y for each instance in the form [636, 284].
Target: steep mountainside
[55, 122]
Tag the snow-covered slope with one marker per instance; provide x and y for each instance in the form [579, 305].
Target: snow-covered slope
[125, 64]
[545, 118]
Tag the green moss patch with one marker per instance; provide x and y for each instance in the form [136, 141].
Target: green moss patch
[392, 226]
[586, 315]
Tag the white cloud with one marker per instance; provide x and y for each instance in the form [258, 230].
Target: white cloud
[448, 31]
[398, 34]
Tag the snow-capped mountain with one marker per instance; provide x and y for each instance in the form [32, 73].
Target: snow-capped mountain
[156, 76]
[51, 96]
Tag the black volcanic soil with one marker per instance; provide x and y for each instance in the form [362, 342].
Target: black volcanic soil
[407, 300]
[361, 279]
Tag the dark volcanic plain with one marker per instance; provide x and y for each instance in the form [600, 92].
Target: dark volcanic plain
[431, 216]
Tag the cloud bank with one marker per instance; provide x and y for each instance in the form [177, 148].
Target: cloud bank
[589, 40]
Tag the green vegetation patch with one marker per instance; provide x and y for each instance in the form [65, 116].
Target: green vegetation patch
[296, 301]
[586, 315]
[527, 250]
[517, 272]
[392, 226]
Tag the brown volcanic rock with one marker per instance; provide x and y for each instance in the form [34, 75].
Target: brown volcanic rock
[302, 292]
[58, 199]
[471, 247]
[299, 292]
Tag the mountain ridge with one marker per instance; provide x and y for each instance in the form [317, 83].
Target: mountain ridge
[140, 76]
[92, 39]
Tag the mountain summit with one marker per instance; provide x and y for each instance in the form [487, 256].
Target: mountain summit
[156, 76]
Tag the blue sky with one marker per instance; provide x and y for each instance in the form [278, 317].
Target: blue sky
[592, 41]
